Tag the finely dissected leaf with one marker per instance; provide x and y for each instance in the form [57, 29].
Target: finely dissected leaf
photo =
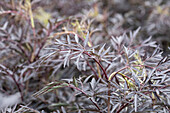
[75, 82]
[162, 60]
[58, 41]
[111, 75]
[120, 40]
[132, 54]
[114, 43]
[147, 40]
[136, 32]
[163, 78]
[28, 8]
[93, 83]
[41, 91]
[126, 50]
[114, 107]
[68, 39]
[135, 78]
[149, 75]
[59, 104]
[155, 51]
[87, 39]
[56, 68]
[66, 59]
[63, 109]
[101, 49]
[76, 38]
[87, 78]
[135, 102]
[105, 52]
[144, 95]
[50, 87]
[130, 95]
[77, 62]
[105, 60]
[4, 26]
[84, 66]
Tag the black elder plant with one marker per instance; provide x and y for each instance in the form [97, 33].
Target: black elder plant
[89, 62]
[123, 75]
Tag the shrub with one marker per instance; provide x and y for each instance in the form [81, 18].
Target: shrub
[96, 60]
[122, 76]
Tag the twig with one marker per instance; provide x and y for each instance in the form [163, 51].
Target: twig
[98, 64]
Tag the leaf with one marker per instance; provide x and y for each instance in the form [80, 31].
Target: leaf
[59, 42]
[126, 50]
[84, 66]
[50, 87]
[27, 6]
[75, 82]
[135, 78]
[63, 109]
[105, 52]
[144, 95]
[77, 62]
[111, 75]
[101, 49]
[4, 26]
[149, 75]
[76, 38]
[136, 32]
[135, 102]
[130, 95]
[93, 83]
[162, 60]
[114, 43]
[163, 78]
[68, 39]
[66, 59]
[107, 61]
[87, 79]
[147, 40]
[59, 104]
[133, 54]
[114, 107]
[86, 40]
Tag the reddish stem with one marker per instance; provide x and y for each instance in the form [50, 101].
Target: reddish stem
[17, 84]
[98, 64]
